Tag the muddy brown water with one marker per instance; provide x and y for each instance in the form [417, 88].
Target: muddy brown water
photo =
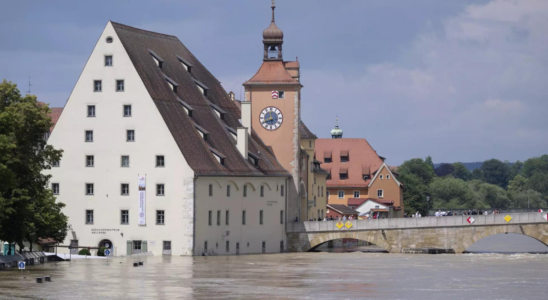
[290, 276]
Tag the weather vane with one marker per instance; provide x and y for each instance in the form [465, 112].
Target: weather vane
[273, 2]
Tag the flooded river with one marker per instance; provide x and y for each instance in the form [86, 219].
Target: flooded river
[320, 275]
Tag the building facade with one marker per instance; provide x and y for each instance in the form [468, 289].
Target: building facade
[156, 159]
[274, 93]
[357, 173]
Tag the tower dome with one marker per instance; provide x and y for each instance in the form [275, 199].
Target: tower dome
[336, 132]
[273, 38]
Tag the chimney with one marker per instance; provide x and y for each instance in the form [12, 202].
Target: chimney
[246, 114]
[242, 141]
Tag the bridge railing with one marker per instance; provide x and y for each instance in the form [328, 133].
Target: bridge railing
[395, 223]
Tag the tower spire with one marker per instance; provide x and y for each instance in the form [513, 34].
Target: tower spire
[336, 133]
[273, 7]
[273, 38]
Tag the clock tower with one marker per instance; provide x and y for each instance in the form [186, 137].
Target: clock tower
[275, 96]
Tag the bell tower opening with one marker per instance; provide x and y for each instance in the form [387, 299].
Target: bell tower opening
[273, 38]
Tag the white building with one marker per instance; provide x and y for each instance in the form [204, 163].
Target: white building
[145, 107]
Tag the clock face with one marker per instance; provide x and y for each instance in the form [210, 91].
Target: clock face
[271, 118]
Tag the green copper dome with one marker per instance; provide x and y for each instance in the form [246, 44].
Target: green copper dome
[336, 132]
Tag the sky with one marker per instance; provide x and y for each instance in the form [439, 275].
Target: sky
[459, 80]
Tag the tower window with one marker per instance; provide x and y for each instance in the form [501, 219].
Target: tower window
[108, 61]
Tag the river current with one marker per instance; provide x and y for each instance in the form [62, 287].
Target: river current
[321, 275]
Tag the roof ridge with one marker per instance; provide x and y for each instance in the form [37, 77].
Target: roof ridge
[124, 26]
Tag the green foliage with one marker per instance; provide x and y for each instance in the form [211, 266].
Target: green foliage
[538, 182]
[527, 199]
[461, 172]
[535, 165]
[477, 174]
[515, 169]
[496, 172]
[101, 251]
[414, 193]
[428, 161]
[517, 184]
[453, 193]
[492, 195]
[420, 168]
[84, 252]
[28, 208]
[444, 170]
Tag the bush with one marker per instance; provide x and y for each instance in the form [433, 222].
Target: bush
[84, 252]
[101, 251]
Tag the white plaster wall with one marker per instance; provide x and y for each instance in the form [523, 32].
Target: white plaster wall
[272, 232]
[109, 127]
[369, 205]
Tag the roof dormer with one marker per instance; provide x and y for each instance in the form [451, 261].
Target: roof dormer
[159, 61]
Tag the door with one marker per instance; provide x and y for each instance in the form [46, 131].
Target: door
[167, 248]
[136, 247]
[129, 247]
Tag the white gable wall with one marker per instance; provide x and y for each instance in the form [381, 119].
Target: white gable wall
[369, 205]
[152, 137]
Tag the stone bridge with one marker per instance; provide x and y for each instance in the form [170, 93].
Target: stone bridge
[454, 234]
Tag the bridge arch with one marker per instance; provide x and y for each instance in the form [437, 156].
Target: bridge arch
[526, 230]
[375, 237]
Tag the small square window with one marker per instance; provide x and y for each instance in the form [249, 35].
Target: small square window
[160, 190]
[243, 217]
[108, 61]
[343, 176]
[56, 164]
[281, 94]
[89, 136]
[218, 218]
[245, 190]
[97, 86]
[124, 217]
[127, 110]
[356, 194]
[160, 217]
[125, 189]
[341, 195]
[327, 160]
[119, 85]
[380, 176]
[226, 217]
[228, 190]
[344, 158]
[90, 161]
[130, 135]
[89, 216]
[210, 218]
[262, 190]
[282, 191]
[125, 161]
[89, 188]
[261, 217]
[281, 216]
[91, 111]
[380, 193]
[160, 162]
[210, 190]
[55, 188]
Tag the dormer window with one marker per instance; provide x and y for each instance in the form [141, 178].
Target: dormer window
[171, 83]
[203, 132]
[343, 174]
[233, 132]
[344, 156]
[159, 61]
[185, 64]
[218, 155]
[189, 109]
[202, 87]
[254, 159]
[219, 111]
[327, 157]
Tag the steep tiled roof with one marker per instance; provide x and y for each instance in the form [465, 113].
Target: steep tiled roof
[343, 209]
[272, 72]
[361, 158]
[198, 153]
[356, 201]
[305, 132]
[55, 114]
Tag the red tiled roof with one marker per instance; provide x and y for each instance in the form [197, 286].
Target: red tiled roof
[356, 201]
[272, 72]
[361, 158]
[291, 64]
[55, 114]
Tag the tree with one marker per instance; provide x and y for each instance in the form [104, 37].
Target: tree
[527, 199]
[477, 174]
[29, 210]
[428, 161]
[453, 193]
[419, 168]
[495, 172]
[444, 170]
[493, 195]
[535, 165]
[515, 169]
[517, 184]
[461, 172]
[538, 182]
[414, 193]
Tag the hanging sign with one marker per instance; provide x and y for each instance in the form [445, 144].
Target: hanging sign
[142, 200]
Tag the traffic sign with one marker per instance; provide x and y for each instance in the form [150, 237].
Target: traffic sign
[470, 220]
[545, 217]
[107, 252]
[21, 265]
